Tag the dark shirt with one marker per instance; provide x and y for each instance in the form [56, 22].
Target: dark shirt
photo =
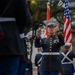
[67, 68]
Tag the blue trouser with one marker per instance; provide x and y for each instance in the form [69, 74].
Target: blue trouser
[49, 73]
[22, 68]
[9, 65]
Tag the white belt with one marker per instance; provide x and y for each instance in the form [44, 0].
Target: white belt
[50, 53]
[67, 63]
[6, 19]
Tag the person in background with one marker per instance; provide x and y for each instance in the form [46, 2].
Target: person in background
[50, 63]
[38, 58]
[67, 60]
[13, 13]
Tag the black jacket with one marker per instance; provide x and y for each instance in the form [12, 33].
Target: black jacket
[52, 44]
[10, 42]
[67, 68]
[37, 58]
[21, 31]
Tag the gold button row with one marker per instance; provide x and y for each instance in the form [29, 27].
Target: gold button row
[50, 44]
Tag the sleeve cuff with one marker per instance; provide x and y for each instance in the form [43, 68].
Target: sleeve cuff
[22, 35]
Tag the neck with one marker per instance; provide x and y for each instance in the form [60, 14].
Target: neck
[51, 36]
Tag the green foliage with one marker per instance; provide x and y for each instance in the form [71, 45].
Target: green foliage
[39, 9]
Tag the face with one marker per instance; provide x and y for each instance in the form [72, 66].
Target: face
[66, 48]
[56, 27]
[51, 30]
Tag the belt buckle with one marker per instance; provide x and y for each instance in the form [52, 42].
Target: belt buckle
[50, 53]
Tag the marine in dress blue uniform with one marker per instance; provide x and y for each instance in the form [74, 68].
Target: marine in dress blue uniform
[50, 64]
[38, 58]
[67, 60]
[24, 58]
[13, 13]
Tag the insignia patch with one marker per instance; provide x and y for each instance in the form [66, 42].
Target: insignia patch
[56, 41]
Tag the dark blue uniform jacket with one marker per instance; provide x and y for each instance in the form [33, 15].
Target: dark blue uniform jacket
[10, 42]
[52, 44]
[67, 68]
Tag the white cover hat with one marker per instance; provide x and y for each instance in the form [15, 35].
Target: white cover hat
[67, 44]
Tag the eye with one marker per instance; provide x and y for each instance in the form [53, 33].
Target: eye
[54, 26]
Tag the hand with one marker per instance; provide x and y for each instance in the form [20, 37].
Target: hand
[38, 32]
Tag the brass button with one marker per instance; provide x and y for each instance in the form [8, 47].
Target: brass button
[50, 47]
[50, 50]
[50, 38]
[50, 42]
[50, 53]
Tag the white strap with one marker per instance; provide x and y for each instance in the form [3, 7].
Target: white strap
[22, 36]
[67, 63]
[65, 57]
[50, 53]
[6, 19]
[39, 61]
